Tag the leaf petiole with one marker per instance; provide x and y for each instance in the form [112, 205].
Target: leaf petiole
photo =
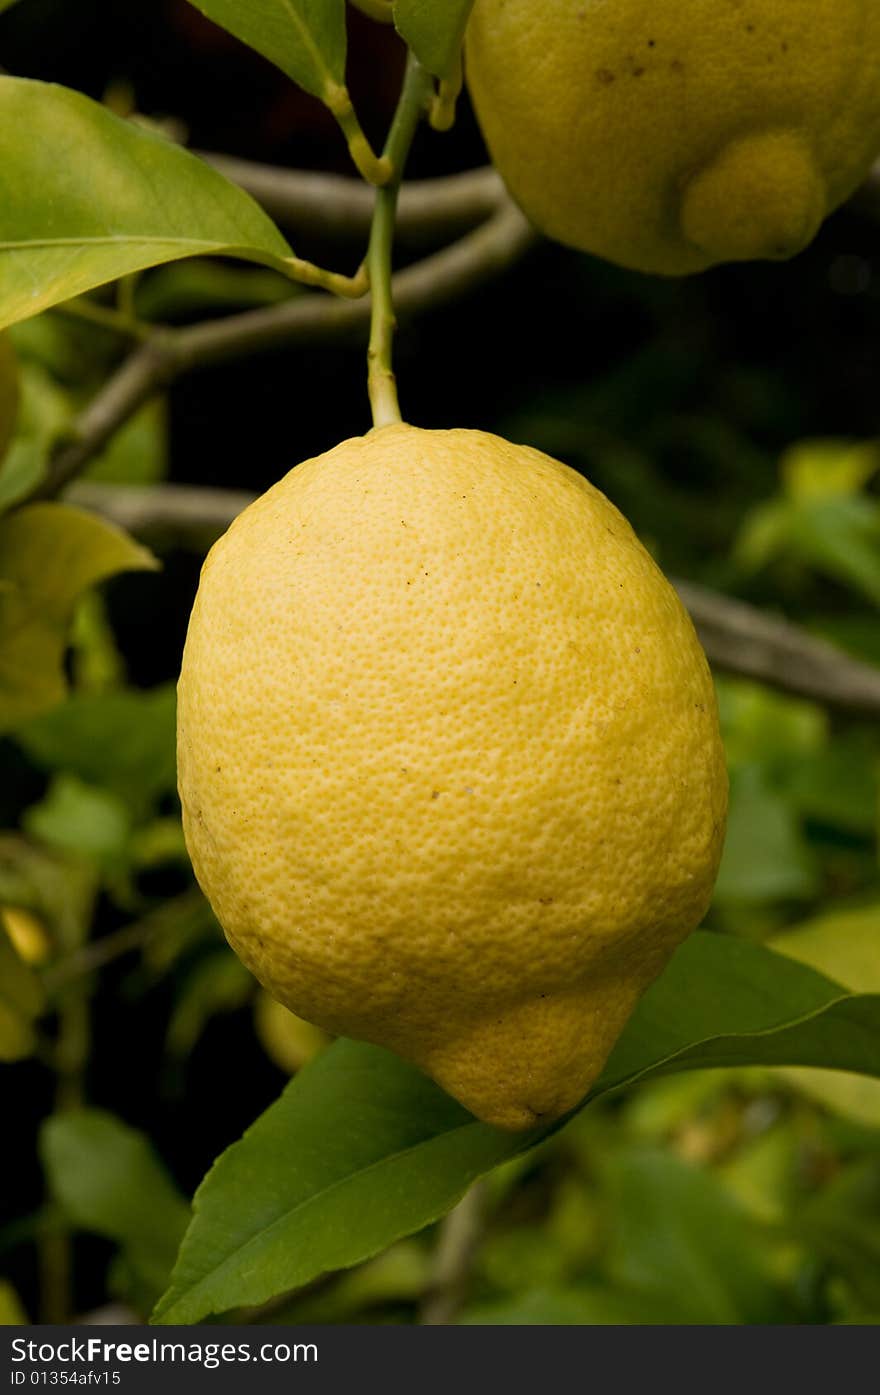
[349, 287]
[414, 98]
[374, 169]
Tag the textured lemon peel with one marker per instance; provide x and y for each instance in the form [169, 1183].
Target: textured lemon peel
[599, 117]
[449, 760]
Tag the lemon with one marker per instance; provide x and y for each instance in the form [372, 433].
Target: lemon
[449, 760]
[670, 137]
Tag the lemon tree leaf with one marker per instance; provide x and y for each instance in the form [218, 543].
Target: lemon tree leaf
[123, 741]
[361, 1149]
[434, 32]
[79, 818]
[58, 889]
[49, 555]
[680, 1235]
[847, 945]
[766, 856]
[829, 469]
[122, 198]
[841, 1222]
[43, 419]
[109, 1181]
[304, 38]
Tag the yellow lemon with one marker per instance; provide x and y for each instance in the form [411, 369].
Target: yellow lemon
[669, 137]
[449, 760]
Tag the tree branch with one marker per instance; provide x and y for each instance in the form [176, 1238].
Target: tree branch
[737, 637]
[740, 639]
[335, 206]
[438, 279]
[146, 371]
[338, 207]
[456, 1244]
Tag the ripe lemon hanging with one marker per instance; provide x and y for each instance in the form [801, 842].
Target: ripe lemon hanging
[669, 137]
[449, 760]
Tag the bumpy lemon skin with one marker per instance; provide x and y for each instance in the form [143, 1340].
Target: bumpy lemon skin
[671, 137]
[449, 760]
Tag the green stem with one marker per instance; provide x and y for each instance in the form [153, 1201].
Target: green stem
[414, 97]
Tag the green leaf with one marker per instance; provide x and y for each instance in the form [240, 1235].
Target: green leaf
[88, 198]
[43, 418]
[839, 784]
[304, 38]
[79, 818]
[762, 727]
[138, 453]
[49, 555]
[824, 469]
[766, 857]
[434, 32]
[842, 1223]
[195, 290]
[21, 1001]
[840, 536]
[837, 535]
[361, 1149]
[680, 1235]
[847, 945]
[57, 888]
[122, 741]
[109, 1181]
[400, 1275]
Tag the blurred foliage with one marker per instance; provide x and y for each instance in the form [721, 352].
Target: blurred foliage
[718, 1197]
[730, 419]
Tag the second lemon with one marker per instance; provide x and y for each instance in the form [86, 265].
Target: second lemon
[668, 138]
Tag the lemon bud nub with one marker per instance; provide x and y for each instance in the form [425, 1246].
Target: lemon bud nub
[761, 198]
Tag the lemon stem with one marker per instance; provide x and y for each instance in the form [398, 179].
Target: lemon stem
[414, 97]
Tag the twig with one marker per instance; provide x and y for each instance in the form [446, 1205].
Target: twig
[430, 210]
[450, 1270]
[334, 206]
[97, 953]
[185, 514]
[146, 371]
[434, 281]
[738, 638]
[381, 380]
[304, 319]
